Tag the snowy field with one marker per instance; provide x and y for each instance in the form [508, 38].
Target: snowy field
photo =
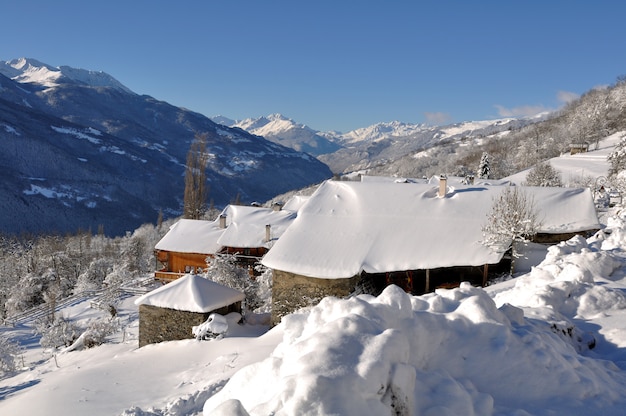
[550, 342]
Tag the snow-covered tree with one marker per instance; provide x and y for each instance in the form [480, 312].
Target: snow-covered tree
[9, 355]
[118, 276]
[617, 158]
[484, 167]
[513, 218]
[223, 269]
[93, 277]
[543, 174]
[29, 292]
[61, 332]
[264, 289]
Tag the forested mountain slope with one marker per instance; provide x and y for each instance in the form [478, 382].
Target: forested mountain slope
[80, 150]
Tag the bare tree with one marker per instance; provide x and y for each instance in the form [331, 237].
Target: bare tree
[196, 188]
[513, 218]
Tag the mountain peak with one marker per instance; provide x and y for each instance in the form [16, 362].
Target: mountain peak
[32, 71]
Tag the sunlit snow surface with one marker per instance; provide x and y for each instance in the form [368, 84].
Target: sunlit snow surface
[552, 342]
[457, 351]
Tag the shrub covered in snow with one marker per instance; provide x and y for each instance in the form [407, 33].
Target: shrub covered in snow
[61, 332]
[543, 174]
[9, 355]
[214, 327]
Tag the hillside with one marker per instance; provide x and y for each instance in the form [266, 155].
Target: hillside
[79, 150]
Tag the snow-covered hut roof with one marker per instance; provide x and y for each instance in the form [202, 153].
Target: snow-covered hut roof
[191, 293]
[349, 227]
[192, 236]
[564, 210]
[246, 226]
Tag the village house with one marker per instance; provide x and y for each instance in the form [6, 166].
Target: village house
[170, 312]
[575, 148]
[247, 232]
[365, 235]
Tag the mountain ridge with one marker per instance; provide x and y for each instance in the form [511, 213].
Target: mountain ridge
[94, 155]
[370, 146]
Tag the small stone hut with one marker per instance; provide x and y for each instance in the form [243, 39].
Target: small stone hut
[169, 312]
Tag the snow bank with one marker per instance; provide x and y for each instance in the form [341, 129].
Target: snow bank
[565, 282]
[448, 353]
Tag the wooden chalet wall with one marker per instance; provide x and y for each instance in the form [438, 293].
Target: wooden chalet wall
[179, 263]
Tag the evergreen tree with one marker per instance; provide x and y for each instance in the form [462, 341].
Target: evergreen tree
[484, 167]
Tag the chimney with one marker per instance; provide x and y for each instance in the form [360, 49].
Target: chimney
[443, 185]
[277, 206]
[222, 221]
[268, 233]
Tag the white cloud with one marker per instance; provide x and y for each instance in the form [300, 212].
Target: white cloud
[437, 118]
[566, 96]
[521, 111]
[563, 97]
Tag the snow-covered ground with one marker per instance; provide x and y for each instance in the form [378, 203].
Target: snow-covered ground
[549, 342]
[575, 168]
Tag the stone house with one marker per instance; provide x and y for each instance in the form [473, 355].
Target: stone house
[353, 236]
[171, 311]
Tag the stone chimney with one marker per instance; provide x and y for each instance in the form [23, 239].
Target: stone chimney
[222, 221]
[277, 206]
[268, 233]
[443, 186]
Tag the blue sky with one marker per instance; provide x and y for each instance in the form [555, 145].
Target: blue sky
[334, 65]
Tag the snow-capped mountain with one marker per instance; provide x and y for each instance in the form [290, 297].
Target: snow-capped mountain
[382, 131]
[31, 71]
[79, 150]
[366, 147]
[282, 130]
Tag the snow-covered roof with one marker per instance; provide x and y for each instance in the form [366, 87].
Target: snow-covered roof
[192, 236]
[295, 202]
[564, 210]
[192, 293]
[246, 226]
[349, 227]
[433, 180]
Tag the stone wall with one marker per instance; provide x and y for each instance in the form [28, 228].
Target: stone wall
[163, 324]
[291, 292]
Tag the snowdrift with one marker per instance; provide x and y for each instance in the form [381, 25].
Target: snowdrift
[460, 351]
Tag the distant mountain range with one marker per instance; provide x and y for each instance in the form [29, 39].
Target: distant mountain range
[282, 130]
[79, 150]
[369, 146]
